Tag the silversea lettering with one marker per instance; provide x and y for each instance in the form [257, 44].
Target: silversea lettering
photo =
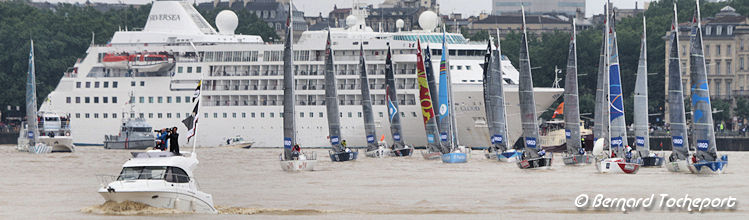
[164, 17]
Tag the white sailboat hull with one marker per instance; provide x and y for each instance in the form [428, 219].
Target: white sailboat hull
[160, 194]
[617, 165]
[679, 166]
[298, 165]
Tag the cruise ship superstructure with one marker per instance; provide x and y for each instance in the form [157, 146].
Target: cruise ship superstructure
[242, 89]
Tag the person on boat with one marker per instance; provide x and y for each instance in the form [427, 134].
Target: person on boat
[173, 137]
[541, 153]
[628, 153]
[581, 150]
[343, 143]
[295, 151]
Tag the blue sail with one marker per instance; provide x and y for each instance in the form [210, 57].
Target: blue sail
[444, 96]
[618, 127]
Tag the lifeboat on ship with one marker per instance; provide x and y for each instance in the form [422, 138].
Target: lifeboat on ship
[143, 62]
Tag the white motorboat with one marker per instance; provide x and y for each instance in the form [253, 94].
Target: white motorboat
[158, 179]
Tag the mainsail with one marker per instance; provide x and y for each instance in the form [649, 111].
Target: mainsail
[642, 136]
[448, 133]
[496, 112]
[366, 103]
[676, 112]
[391, 100]
[427, 109]
[571, 99]
[31, 114]
[289, 98]
[433, 92]
[618, 128]
[331, 100]
[600, 128]
[527, 99]
[702, 117]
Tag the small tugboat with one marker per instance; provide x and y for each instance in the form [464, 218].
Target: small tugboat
[238, 142]
[158, 179]
[135, 133]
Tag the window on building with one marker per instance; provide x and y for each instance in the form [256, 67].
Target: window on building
[349, 114]
[262, 114]
[168, 99]
[96, 100]
[179, 69]
[178, 99]
[96, 84]
[87, 100]
[68, 99]
[141, 99]
[78, 85]
[96, 115]
[132, 83]
[88, 84]
[141, 115]
[728, 68]
[234, 115]
[142, 83]
[252, 115]
[301, 114]
[707, 50]
[198, 69]
[224, 114]
[708, 29]
[77, 115]
[168, 115]
[77, 99]
[728, 50]
[244, 114]
[728, 88]
[272, 114]
[189, 69]
[87, 115]
[105, 115]
[319, 114]
[359, 114]
[105, 99]
[717, 50]
[215, 115]
[718, 30]
[150, 99]
[717, 67]
[150, 115]
[159, 115]
[741, 63]
[729, 30]
[381, 114]
[160, 99]
[114, 115]
[106, 85]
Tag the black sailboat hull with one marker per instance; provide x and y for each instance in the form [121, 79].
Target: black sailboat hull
[343, 156]
[405, 152]
[536, 163]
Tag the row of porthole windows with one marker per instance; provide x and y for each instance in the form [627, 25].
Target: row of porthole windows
[225, 115]
[88, 100]
[280, 114]
[161, 99]
[104, 84]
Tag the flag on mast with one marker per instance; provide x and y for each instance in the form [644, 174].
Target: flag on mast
[192, 119]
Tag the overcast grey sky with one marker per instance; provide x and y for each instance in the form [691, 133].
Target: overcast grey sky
[467, 7]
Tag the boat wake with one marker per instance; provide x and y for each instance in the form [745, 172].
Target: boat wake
[271, 211]
[127, 208]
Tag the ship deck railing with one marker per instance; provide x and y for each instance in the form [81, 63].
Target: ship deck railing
[168, 180]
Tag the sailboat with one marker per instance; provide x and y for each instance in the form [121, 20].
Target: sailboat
[430, 153]
[448, 132]
[575, 154]
[399, 147]
[617, 130]
[533, 157]
[338, 152]
[642, 137]
[600, 127]
[427, 110]
[291, 160]
[496, 113]
[678, 160]
[162, 179]
[705, 159]
[54, 135]
[374, 148]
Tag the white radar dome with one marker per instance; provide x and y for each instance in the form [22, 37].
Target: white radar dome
[399, 23]
[428, 20]
[226, 22]
[351, 20]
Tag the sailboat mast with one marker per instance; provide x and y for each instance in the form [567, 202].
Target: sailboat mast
[500, 101]
[702, 119]
[31, 111]
[642, 136]
[366, 101]
[331, 99]
[571, 98]
[527, 99]
[391, 97]
[676, 112]
[289, 98]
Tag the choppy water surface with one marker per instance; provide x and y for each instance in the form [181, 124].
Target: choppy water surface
[249, 183]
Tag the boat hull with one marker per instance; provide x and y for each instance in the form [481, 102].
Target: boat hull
[405, 152]
[455, 158]
[343, 156]
[378, 153]
[431, 155]
[509, 156]
[679, 166]
[709, 167]
[298, 165]
[130, 144]
[654, 161]
[577, 159]
[617, 165]
[541, 163]
[57, 144]
[162, 199]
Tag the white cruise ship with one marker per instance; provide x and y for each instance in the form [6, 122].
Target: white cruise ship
[242, 94]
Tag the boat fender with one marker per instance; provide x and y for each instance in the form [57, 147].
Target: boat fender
[154, 196]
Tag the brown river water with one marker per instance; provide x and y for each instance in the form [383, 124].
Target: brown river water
[249, 183]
